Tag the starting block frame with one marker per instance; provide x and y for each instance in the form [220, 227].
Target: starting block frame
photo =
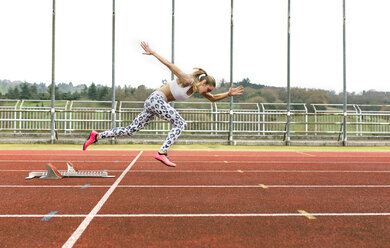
[53, 173]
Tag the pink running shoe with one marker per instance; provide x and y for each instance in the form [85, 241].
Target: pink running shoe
[91, 139]
[164, 159]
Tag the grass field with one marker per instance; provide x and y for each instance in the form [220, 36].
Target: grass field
[192, 148]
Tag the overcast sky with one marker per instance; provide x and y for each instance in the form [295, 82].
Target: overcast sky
[84, 28]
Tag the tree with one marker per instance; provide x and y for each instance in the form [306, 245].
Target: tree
[13, 93]
[84, 91]
[103, 93]
[34, 91]
[25, 91]
[92, 92]
[56, 90]
[247, 83]
[270, 95]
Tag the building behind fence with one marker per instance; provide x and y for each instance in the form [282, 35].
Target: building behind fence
[252, 119]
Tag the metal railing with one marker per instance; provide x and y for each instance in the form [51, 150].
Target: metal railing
[361, 119]
[202, 117]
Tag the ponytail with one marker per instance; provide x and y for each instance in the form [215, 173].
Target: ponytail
[198, 72]
[199, 75]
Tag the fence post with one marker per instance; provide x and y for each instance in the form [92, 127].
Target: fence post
[231, 76]
[53, 85]
[306, 119]
[344, 81]
[357, 119]
[361, 123]
[113, 116]
[288, 78]
[315, 119]
[20, 117]
[258, 119]
[15, 115]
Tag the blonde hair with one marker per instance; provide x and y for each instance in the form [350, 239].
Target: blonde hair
[199, 75]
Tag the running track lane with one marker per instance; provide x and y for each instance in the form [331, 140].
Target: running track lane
[237, 177]
[182, 200]
[242, 231]
[80, 230]
[233, 232]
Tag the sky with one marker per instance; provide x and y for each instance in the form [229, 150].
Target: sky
[202, 39]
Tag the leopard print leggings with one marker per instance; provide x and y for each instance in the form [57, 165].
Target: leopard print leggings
[155, 105]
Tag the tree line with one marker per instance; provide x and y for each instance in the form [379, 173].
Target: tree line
[254, 93]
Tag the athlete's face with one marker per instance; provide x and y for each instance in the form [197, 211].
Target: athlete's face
[204, 88]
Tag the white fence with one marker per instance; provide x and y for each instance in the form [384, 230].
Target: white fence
[202, 117]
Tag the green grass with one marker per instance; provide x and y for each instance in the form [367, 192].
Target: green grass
[330, 127]
[192, 148]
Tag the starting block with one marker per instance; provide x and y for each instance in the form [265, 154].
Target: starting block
[53, 173]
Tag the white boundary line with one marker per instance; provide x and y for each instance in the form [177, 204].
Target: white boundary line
[257, 171]
[79, 231]
[232, 171]
[63, 161]
[244, 215]
[197, 186]
[282, 162]
[189, 215]
[207, 162]
[255, 186]
[260, 154]
[67, 155]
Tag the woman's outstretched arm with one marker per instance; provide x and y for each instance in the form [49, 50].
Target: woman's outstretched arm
[232, 92]
[185, 79]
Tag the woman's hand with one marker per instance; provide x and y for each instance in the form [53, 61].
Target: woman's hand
[236, 91]
[147, 49]
[184, 78]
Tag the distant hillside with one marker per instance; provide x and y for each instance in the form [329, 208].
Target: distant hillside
[5, 85]
[254, 93]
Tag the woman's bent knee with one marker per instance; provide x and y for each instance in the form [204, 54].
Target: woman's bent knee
[181, 124]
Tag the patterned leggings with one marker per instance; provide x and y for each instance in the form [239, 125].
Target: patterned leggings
[154, 106]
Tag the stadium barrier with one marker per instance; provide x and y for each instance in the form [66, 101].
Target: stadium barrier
[254, 119]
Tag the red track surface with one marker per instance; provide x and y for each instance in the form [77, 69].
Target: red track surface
[211, 199]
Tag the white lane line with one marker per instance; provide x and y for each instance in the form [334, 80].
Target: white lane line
[190, 215]
[243, 215]
[79, 231]
[68, 155]
[48, 186]
[232, 171]
[208, 162]
[61, 170]
[258, 171]
[275, 162]
[197, 186]
[42, 215]
[256, 154]
[254, 186]
[62, 161]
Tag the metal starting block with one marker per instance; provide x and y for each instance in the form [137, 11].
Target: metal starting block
[53, 173]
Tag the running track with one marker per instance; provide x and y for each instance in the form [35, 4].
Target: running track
[211, 199]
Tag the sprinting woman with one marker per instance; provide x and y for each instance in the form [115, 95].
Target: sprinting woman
[181, 88]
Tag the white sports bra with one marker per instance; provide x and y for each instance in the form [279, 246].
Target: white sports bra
[178, 92]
